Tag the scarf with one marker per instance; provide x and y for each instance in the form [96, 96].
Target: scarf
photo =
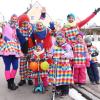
[41, 34]
[70, 25]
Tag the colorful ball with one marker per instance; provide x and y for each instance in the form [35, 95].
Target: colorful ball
[44, 66]
[33, 66]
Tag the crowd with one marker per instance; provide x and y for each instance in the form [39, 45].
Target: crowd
[32, 47]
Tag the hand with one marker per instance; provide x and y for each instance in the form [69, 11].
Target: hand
[97, 10]
[43, 10]
[43, 13]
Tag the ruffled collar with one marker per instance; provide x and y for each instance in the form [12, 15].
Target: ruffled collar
[69, 25]
[38, 53]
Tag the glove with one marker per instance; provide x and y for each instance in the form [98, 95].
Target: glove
[97, 10]
[43, 13]
[94, 54]
[52, 27]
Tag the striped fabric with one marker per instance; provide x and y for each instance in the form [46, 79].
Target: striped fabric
[11, 48]
[71, 34]
[2, 46]
[60, 73]
[79, 56]
[25, 72]
[41, 72]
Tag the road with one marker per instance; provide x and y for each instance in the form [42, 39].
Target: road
[25, 92]
[22, 93]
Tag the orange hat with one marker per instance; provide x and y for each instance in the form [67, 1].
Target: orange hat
[23, 18]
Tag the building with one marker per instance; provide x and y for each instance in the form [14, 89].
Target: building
[34, 12]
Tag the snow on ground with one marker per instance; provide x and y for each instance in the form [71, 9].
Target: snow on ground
[75, 95]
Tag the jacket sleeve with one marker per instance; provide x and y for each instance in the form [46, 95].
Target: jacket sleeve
[23, 42]
[20, 37]
[83, 22]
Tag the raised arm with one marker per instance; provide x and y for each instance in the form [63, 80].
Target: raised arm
[86, 20]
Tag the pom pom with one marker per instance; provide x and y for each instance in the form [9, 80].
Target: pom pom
[33, 66]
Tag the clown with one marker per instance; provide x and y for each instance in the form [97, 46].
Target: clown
[61, 55]
[40, 54]
[71, 28]
[26, 38]
[11, 51]
[81, 60]
[43, 35]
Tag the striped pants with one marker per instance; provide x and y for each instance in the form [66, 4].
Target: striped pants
[25, 72]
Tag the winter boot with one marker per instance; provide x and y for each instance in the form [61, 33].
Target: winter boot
[13, 85]
[22, 82]
[30, 82]
[9, 84]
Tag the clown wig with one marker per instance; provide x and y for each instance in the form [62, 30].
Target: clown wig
[23, 18]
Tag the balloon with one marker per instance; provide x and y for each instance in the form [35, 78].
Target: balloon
[33, 66]
[44, 65]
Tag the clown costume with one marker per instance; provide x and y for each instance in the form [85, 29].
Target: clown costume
[60, 73]
[80, 61]
[72, 28]
[40, 54]
[10, 50]
[26, 38]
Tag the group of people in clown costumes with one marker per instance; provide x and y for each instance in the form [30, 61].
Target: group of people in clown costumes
[19, 37]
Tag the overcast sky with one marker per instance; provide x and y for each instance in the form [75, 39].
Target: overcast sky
[57, 9]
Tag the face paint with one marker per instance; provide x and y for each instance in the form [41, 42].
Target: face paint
[60, 41]
[25, 26]
[39, 26]
[38, 48]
